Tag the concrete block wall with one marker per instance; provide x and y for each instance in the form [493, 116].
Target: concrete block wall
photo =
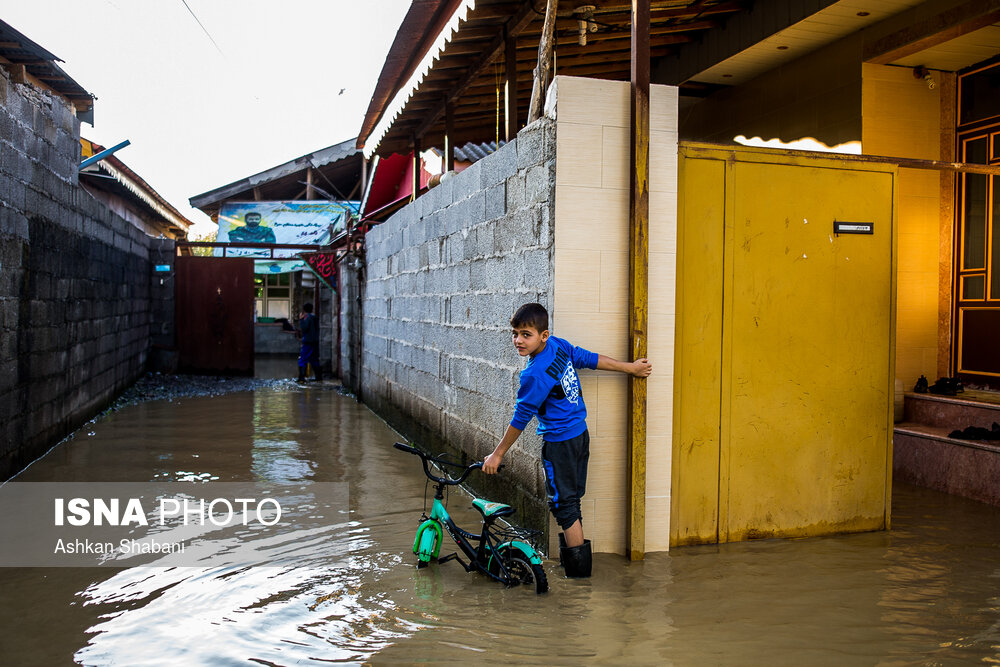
[350, 323]
[75, 300]
[163, 355]
[327, 325]
[443, 277]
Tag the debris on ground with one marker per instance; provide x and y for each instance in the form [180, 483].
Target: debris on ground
[160, 387]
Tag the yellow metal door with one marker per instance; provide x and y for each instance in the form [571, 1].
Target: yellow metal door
[783, 381]
[810, 334]
[701, 223]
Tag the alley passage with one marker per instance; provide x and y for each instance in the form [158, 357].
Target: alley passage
[926, 593]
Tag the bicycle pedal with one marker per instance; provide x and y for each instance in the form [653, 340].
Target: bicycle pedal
[454, 557]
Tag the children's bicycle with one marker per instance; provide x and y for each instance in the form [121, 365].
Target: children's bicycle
[501, 554]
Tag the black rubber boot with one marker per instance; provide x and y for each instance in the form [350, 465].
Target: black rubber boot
[562, 546]
[578, 560]
[302, 373]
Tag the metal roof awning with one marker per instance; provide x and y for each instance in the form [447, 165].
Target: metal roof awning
[455, 53]
[337, 169]
[27, 61]
[462, 64]
[112, 170]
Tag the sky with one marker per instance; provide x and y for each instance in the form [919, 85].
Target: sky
[212, 91]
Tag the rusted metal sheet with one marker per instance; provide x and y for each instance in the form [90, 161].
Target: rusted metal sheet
[215, 314]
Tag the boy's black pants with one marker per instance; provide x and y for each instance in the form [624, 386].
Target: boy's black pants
[565, 466]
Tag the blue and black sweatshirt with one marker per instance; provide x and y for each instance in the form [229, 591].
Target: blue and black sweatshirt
[550, 390]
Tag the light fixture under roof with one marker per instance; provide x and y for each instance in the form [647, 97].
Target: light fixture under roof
[585, 22]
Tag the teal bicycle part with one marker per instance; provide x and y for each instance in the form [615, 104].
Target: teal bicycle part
[427, 543]
[502, 555]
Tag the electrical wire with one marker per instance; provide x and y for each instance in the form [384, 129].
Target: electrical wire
[204, 29]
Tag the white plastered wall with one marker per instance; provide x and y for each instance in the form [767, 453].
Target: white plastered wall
[590, 296]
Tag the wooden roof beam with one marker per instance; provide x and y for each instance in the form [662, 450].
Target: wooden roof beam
[692, 10]
[524, 16]
[570, 49]
[933, 30]
[484, 12]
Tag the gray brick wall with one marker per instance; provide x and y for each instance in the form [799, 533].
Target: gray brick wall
[350, 324]
[75, 283]
[444, 275]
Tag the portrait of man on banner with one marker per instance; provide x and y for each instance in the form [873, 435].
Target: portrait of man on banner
[281, 222]
[252, 230]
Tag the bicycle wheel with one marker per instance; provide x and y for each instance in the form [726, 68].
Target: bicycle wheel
[520, 567]
[427, 547]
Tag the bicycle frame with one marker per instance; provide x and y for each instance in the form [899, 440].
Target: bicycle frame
[479, 549]
[480, 556]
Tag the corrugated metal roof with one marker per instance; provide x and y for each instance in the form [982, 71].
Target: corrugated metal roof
[463, 64]
[135, 184]
[403, 93]
[317, 159]
[423, 21]
[472, 152]
[17, 49]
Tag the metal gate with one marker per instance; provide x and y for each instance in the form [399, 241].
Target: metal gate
[215, 314]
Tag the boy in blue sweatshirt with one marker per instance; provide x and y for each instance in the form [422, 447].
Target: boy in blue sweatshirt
[550, 391]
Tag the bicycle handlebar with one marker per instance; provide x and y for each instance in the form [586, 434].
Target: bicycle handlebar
[424, 458]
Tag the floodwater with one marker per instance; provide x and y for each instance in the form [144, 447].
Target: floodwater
[926, 593]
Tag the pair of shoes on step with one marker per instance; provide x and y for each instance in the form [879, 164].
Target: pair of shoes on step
[943, 387]
[577, 560]
[977, 433]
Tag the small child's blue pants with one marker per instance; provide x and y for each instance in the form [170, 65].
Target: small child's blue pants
[565, 466]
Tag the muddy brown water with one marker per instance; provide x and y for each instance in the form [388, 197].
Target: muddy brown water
[926, 593]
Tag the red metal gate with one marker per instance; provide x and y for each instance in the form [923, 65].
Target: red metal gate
[214, 301]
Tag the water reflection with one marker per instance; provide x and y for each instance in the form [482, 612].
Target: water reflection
[928, 592]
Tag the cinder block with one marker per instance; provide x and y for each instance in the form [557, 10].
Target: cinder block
[535, 143]
[427, 203]
[467, 181]
[515, 195]
[496, 201]
[539, 183]
[446, 192]
[498, 166]
[454, 218]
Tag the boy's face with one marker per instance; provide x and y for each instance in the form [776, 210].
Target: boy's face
[528, 341]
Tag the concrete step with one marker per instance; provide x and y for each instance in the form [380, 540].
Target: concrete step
[924, 455]
[970, 408]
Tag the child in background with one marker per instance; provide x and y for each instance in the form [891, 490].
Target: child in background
[309, 351]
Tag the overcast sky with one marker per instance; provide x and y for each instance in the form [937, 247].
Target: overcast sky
[262, 82]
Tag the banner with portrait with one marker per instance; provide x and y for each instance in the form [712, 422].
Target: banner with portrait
[291, 222]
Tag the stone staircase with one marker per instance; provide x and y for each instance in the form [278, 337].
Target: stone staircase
[923, 454]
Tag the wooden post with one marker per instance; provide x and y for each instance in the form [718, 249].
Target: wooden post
[310, 191]
[635, 527]
[510, 85]
[544, 62]
[416, 168]
[449, 134]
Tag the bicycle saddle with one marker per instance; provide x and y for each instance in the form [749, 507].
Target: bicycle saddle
[489, 509]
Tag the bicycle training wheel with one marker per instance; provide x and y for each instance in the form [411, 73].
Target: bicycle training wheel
[522, 569]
